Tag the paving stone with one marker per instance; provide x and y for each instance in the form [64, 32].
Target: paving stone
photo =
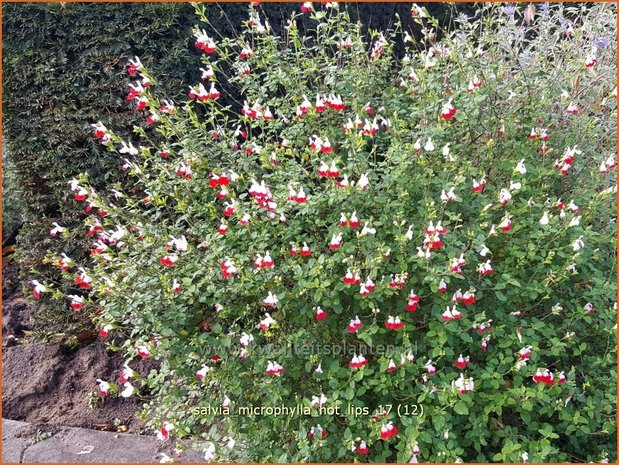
[74, 445]
[80, 445]
[12, 445]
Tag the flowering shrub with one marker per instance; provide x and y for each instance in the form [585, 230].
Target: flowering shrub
[370, 258]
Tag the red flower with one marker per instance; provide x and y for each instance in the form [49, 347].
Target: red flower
[462, 362]
[305, 250]
[83, 280]
[317, 430]
[354, 325]
[105, 332]
[228, 268]
[469, 298]
[222, 228]
[350, 279]
[363, 448]
[168, 260]
[77, 302]
[388, 431]
[413, 302]
[143, 351]
[394, 323]
[448, 111]
[358, 361]
[274, 368]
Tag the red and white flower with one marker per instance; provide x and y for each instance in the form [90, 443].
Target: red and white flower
[320, 314]
[204, 42]
[506, 224]
[351, 279]
[392, 366]
[82, 279]
[168, 260]
[244, 221]
[185, 171]
[525, 353]
[201, 373]
[485, 268]
[463, 385]
[544, 376]
[305, 250]
[430, 368]
[469, 298]
[77, 302]
[388, 430]
[143, 351]
[274, 368]
[227, 268]
[64, 262]
[134, 65]
[457, 264]
[335, 102]
[451, 314]
[246, 53]
[394, 323]
[270, 300]
[398, 281]
[354, 325]
[484, 343]
[266, 322]
[361, 449]
[336, 241]
[413, 302]
[126, 373]
[354, 222]
[223, 227]
[164, 433]
[504, 197]
[591, 61]
[462, 362]
[300, 197]
[103, 387]
[479, 186]
[317, 431]
[448, 110]
[358, 361]
[105, 331]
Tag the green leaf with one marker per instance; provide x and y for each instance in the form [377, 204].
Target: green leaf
[461, 409]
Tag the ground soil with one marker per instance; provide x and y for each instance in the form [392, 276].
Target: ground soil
[48, 384]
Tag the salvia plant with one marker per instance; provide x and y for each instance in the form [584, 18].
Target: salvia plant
[366, 256]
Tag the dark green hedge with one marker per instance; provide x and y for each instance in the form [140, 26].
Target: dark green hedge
[63, 69]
